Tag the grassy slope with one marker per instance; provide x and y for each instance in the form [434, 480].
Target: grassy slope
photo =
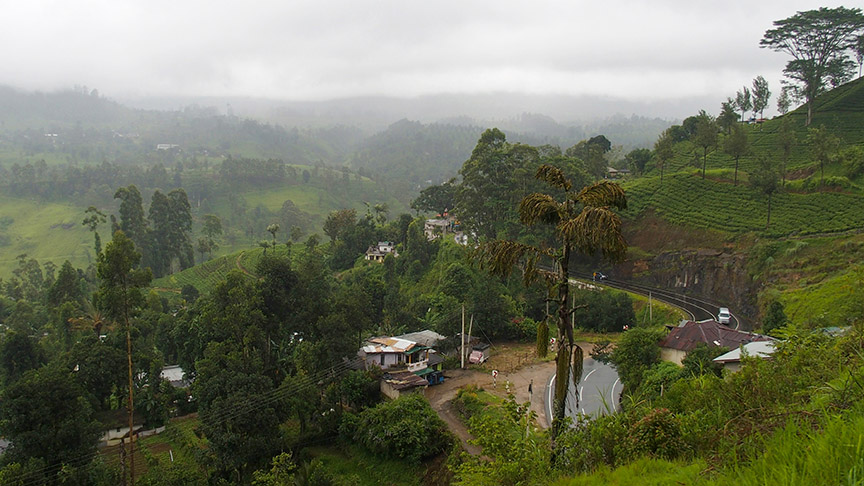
[45, 231]
[685, 198]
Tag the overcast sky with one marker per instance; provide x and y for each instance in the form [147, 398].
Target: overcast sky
[325, 49]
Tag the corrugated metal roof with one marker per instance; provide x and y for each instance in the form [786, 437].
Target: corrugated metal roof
[760, 349]
[388, 345]
[690, 334]
[426, 338]
[404, 380]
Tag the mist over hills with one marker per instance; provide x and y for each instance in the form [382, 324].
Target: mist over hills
[374, 114]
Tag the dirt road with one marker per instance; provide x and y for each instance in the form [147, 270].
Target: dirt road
[517, 375]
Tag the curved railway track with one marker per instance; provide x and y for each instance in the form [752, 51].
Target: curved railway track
[698, 308]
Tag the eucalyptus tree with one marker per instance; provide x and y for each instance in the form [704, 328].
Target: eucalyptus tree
[766, 178]
[823, 146]
[736, 144]
[743, 101]
[120, 298]
[585, 223]
[705, 136]
[663, 149]
[819, 42]
[761, 95]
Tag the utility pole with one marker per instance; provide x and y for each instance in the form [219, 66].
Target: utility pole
[131, 407]
[470, 326]
[462, 335]
[650, 309]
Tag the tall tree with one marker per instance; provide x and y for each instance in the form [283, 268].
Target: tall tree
[766, 178]
[784, 101]
[761, 95]
[637, 159]
[211, 228]
[786, 139]
[180, 217]
[728, 117]
[132, 220]
[585, 223]
[859, 53]
[737, 144]
[437, 199]
[120, 298]
[823, 146]
[819, 42]
[705, 136]
[663, 150]
[92, 220]
[743, 102]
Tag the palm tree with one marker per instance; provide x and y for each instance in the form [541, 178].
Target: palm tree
[92, 319]
[585, 223]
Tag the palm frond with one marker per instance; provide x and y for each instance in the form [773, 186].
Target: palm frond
[539, 207]
[553, 176]
[595, 229]
[603, 193]
[500, 257]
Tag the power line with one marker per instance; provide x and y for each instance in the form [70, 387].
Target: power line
[246, 406]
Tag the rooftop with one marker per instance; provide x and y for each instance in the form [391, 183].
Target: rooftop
[689, 334]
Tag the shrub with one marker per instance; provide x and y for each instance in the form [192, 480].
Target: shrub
[657, 434]
[406, 428]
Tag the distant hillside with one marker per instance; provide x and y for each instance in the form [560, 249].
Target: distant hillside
[84, 128]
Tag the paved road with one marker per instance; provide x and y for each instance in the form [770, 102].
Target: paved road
[599, 391]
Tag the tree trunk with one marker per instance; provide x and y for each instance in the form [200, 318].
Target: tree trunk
[736, 171]
[768, 223]
[565, 341]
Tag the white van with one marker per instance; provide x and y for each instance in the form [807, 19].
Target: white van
[723, 317]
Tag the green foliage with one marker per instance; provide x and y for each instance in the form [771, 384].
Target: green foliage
[635, 353]
[774, 318]
[542, 338]
[819, 42]
[46, 416]
[699, 360]
[606, 311]
[657, 434]
[406, 428]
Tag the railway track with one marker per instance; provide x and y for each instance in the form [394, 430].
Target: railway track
[697, 308]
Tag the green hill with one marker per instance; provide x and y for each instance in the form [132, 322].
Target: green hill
[685, 198]
[44, 231]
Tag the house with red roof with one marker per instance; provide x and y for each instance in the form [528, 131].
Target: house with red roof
[684, 338]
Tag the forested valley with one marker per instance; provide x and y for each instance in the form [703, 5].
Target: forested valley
[197, 298]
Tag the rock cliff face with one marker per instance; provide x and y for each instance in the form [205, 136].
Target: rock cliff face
[718, 276]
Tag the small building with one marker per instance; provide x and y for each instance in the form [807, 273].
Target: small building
[689, 334]
[613, 173]
[435, 228]
[424, 338]
[395, 384]
[176, 376]
[388, 352]
[398, 356]
[732, 360]
[377, 253]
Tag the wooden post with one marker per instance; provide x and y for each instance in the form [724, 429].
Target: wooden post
[462, 335]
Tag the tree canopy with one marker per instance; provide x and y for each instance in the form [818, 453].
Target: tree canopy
[820, 43]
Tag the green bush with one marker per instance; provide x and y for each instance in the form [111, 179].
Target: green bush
[657, 434]
[406, 428]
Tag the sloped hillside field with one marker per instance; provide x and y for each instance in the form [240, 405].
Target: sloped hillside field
[687, 199]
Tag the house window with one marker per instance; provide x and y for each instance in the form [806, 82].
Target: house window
[382, 360]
